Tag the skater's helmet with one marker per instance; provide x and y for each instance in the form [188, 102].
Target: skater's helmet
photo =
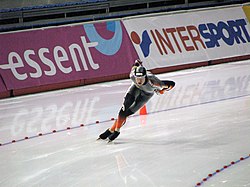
[140, 71]
[140, 75]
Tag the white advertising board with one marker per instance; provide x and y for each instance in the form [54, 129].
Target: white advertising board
[184, 38]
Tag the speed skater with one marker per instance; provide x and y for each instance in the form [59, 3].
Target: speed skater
[144, 85]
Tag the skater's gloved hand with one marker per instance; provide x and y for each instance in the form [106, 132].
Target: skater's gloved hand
[159, 92]
[169, 88]
[163, 90]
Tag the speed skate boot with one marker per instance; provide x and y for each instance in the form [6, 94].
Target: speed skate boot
[113, 136]
[105, 135]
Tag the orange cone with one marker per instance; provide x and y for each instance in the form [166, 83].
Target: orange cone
[143, 110]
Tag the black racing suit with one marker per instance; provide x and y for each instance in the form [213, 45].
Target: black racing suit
[138, 95]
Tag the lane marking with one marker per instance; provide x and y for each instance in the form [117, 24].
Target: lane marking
[100, 122]
[220, 170]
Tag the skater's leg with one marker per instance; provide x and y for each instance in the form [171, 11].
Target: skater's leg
[120, 122]
[112, 129]
[128, 101]
[124, 112]
[122, 117]
[140, 101]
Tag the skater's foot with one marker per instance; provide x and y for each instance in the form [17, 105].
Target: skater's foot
[105, 135]
[113, 136]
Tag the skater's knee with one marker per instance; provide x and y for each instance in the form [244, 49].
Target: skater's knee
[125, 114]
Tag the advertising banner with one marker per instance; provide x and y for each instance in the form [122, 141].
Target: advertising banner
[55, 55]
[184, 38]
[246, 9]
[2, 86]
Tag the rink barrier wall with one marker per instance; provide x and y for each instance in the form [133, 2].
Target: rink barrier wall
[69, 84]
[64, 85]
[200, 64]
[50, 61]
[3, 91]
[56, 58]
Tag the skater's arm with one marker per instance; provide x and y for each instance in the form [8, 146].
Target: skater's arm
[161, 86]
[166, 88]
[155, 82]
[168, 85]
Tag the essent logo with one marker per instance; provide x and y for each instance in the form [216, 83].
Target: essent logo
[47, 61]
[190, 38]
[110, 46]
[40, 60]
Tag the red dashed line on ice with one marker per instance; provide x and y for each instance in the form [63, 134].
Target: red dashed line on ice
[220, 170]
[53, 132]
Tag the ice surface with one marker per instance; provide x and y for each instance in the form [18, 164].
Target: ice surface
[190, 132]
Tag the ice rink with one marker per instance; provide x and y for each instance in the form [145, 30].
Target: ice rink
[198, 134]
